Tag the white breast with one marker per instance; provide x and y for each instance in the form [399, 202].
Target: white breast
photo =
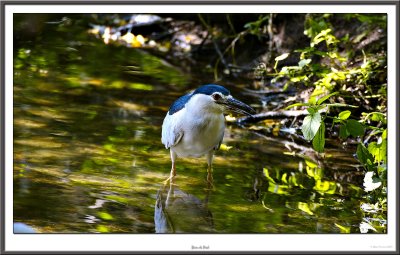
[199, 138]
[203, 125]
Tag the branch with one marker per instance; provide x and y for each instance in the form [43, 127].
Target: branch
[272, 115]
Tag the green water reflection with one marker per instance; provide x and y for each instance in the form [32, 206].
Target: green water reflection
[88, 156]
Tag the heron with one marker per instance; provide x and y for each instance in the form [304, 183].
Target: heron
[194, 124]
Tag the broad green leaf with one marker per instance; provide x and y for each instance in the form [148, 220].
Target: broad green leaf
[355, 128]
[344, 115]
[322, 99]
[343, 132]
[377, 116]
[378, 151]
[311, 125]
[364, 156]
[319, 138]
[311, 110]
[282, 57]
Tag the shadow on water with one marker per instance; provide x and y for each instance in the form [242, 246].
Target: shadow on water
[179, 212]
[88, 156]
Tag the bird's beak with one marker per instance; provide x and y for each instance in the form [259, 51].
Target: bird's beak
[237, 106]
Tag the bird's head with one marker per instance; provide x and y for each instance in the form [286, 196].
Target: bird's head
[220, 99]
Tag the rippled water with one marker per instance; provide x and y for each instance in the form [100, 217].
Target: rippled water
[88, 156]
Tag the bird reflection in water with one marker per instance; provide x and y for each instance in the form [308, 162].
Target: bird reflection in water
[179, 212]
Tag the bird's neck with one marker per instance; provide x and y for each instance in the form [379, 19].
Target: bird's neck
[202, 105]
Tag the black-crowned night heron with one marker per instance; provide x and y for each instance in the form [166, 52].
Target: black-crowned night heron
[194, 125]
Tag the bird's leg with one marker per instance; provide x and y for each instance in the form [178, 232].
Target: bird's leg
[210, 156]
[173, 169]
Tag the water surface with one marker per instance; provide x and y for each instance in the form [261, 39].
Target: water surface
[88, 156]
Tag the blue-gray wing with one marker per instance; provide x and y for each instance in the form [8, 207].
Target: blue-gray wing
[171, 130]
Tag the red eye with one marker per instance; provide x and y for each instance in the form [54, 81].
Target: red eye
[216, 96]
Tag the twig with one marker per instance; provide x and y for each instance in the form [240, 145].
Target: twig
[272, 115]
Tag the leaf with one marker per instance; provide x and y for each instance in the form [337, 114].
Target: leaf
[282, 57]
[378, 151]
[344, 115]
[322, 99]
[311, 110]
[311, 125]
[343, 132]
[304, 62]
[377, 116]
[364, 156]
[319, 138]
[355, 128]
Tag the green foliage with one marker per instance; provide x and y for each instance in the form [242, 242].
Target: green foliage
[311, 124]
[319, 138]
[338, 77]
[344, 115]
[355, 128]
[280, 58]
[378, 151]
[364, 156]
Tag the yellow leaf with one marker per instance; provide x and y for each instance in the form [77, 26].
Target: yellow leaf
[225, 147]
